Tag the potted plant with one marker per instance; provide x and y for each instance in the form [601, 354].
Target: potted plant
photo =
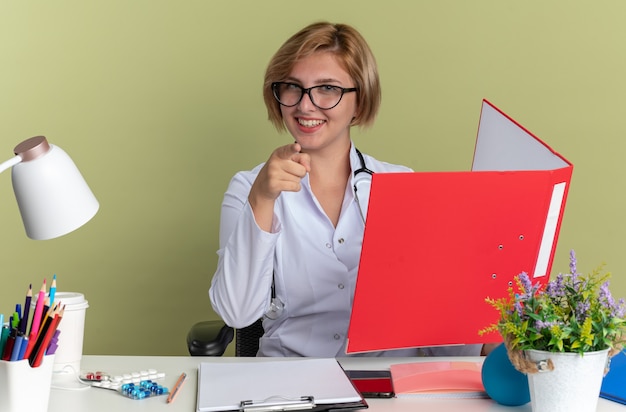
[568, 327]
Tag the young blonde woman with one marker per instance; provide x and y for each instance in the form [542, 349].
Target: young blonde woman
[291, 228]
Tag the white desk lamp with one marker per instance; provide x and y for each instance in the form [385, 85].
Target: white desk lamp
[54, 200]
[52, 195]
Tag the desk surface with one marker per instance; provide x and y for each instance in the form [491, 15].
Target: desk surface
[101, 400]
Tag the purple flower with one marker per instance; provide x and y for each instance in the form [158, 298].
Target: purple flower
[573, 271]
[582, 311]
[527, 287]
[606, 299]
[619, 310]
[616, 309]
[540, 325]
[519, 308]
[556, 288]
[526, 283]
[572, 262]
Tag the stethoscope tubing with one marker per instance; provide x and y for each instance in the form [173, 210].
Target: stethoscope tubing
[362, 169]
[276, 304]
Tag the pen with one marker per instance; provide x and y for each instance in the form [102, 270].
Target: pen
[177, 386]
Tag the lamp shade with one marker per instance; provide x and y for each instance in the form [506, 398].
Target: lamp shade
[51, 193]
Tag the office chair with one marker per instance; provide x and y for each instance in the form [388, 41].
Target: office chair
[212, 337]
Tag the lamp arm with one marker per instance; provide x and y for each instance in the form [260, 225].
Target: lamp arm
[10, 163]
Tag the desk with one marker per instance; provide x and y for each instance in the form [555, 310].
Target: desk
[101, 400]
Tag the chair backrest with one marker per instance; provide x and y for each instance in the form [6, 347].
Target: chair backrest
[247, 339]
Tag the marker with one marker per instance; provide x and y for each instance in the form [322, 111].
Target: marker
[18, 313]
[54, 343]
[17, 346]
[8, 348]
[4, 337]
[23, 348]
[177, 386]
[15, 319]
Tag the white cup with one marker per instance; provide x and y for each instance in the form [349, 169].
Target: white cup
[72, 331]
[72, 327]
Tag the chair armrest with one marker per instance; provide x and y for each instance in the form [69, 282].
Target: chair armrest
[209, 338]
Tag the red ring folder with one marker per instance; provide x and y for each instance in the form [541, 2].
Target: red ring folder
[436, 244]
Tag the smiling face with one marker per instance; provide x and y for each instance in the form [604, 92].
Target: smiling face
[316, 129]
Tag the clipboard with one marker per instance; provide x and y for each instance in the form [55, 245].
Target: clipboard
[436, 244]
[275, 385]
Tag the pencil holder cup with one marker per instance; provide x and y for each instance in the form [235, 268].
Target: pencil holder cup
[23, 388]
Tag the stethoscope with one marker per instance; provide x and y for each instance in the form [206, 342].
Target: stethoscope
[361, 175]
[366, 177]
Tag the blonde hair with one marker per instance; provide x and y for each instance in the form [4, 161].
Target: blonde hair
[353, 54]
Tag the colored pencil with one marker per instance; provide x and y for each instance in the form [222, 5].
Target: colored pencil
[36, 357]
[24, 320]
[53, 289]
[34, 326]
[41, 299]
[46, 315]
[177, 386]
[44, 312]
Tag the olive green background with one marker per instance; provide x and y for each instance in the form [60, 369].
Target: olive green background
[159, 104]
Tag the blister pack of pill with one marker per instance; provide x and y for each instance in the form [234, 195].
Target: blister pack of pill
[134, 385]
[143, 389]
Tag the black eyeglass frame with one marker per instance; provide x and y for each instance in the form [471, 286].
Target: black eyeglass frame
[304, 91]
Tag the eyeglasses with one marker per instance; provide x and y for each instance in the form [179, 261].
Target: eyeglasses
[323, 97]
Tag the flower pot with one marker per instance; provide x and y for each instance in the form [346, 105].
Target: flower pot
[573, 385]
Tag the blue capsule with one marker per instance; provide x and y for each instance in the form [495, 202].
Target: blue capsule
[143, 390]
